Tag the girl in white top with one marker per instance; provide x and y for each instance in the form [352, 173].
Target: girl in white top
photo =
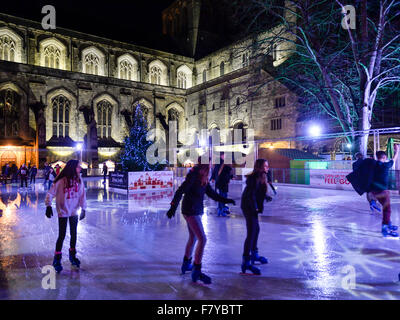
[69, 191]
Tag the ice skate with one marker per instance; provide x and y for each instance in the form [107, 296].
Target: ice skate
[388, 233]
[374, 206]
[198, 275]
[57, 262]
[186, 265]
[246, 265]
[73, 259]
[255, 257]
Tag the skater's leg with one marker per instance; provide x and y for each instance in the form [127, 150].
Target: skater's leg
[251, 219]
[73, 226]
[190, 243]
[256, 233]
[62, 229]
[249, 243]
[384, 199]
[197, 227]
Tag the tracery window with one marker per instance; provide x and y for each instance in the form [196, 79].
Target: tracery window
[155, 75]
[126, 70]
[7, 48]
[9, 119]
[104, 112]
[52, 57]
[61, 108]
[182, 80]
[92, 63]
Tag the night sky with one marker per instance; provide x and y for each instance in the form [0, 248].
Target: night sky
[135, 21]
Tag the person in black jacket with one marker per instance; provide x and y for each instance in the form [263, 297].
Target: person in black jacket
[370, 196]
[194, 187]
[222, 175]
[252, 204]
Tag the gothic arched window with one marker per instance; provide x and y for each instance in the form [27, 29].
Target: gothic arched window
[181, 80]
[155, 75]
[92, 64]
[52, 57]
[61, 108]
[7, 48]
[222, 69]
[9, 119]
[104, 111]
[126, 70]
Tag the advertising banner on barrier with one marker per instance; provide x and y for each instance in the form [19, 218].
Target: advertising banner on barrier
[333, 179]
[118, 179]
[150, 181]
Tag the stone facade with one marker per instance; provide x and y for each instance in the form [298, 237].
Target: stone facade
[72, 87]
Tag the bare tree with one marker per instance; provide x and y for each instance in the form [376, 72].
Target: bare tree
[341, 64]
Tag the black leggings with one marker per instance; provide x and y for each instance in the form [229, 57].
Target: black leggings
[62, 229]
[253, 229]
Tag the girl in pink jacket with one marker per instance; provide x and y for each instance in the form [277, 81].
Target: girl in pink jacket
[69, 191]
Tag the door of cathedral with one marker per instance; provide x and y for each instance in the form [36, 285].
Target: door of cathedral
[8, 157]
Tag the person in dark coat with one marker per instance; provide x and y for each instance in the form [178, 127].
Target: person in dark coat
[14, 173]
[222, 175]
[23, 173]
[380, 189]
[105, 171]
[194, 187]
[370, 197]
[252, 204]
[33, 174]
[46, 174]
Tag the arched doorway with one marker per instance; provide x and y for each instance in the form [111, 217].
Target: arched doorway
[8, 157]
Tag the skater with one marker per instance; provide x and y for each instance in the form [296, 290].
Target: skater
[69, 191]
[14, 173]
[222, 174]
[46, 171]
[380, 189]
[269, 180]
[52, 175]
[57, 169]
[194, 187]
[252, 204]
[33, 174]
[6, 173]
[105, 171]
[370, 197]
[23, 173]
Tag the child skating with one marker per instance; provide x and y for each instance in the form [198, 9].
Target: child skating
[194, 187]
[252, 205]
[69, 191]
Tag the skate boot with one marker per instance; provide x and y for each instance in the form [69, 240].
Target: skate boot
[57, 262]
[373, 205]
[246, 265]
[198, 275]
[387, 232]
[255, 257]
[186, 265]
[72, 257]
[392, 227]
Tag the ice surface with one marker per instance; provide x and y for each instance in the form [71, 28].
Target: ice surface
[321, 244]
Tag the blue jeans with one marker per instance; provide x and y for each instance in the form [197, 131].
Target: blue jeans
[222, 206]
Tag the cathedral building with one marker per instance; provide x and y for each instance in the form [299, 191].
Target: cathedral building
[61, 87]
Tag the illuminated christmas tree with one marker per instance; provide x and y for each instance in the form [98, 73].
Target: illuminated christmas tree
[133, 157]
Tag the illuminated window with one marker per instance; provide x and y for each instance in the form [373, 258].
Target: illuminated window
[181, 80]
[155, 75]
[7, 48]
[104, 111]
[61, 108]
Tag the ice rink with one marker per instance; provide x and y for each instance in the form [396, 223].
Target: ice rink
[321, 244]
